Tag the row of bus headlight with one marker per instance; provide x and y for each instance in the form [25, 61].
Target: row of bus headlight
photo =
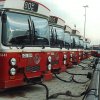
[13, 62]
[49, 63]
[71, 57]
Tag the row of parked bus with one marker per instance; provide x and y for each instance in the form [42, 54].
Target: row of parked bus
[35, 44]
[95, 50]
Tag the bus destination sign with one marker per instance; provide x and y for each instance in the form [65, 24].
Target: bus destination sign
[31, 6]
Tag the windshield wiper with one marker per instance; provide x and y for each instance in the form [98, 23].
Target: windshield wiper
[58, 42]
[34, 37]
[52, 33]
[30, 30]
[52, 37]
[25, 38]
[73, 43]
[67, 44]
[56, 35]
[33, 31]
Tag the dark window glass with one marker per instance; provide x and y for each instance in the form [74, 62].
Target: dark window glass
[17, 30]
[67, 39]
[75, 41]
[57, 35]
[41, 31]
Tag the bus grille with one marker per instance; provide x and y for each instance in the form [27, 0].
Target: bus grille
[32, 68]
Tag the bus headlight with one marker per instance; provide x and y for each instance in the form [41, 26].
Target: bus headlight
[65, 56]
[49, 67]
[49, 58]
[64, 62]
[71, 55]
[12, 71]
[71, 59]
[13, 61]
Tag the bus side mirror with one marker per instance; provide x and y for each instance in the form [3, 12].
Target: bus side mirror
[74, 43]
[4, 18]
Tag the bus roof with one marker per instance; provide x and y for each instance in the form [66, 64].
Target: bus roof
[56, 20]
[76, 32]
[68, 29]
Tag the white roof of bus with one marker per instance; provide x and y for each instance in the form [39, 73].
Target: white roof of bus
[19, 4]
[75, 32]
[68, 29]
[60, 22]
[57, 20]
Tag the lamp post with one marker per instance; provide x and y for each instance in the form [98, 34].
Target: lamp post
[85, 22]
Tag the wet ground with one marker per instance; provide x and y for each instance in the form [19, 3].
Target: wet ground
[38, 92]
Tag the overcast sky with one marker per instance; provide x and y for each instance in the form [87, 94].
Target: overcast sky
[72, 11]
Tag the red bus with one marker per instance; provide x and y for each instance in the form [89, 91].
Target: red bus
[75, 46]
[24, 34]
[67, 46]
[57, 43]
[87, 48]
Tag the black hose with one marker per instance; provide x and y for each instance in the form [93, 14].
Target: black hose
[86, 93]
[84, 68]
[93, 60]
[62, 79]
[75, 74]
[67, 93]
[84, 63]
[47, 90]
[38, 83]
[72, 80]
[94, 63]
[53, 96]
[79, 82]
[81, 66]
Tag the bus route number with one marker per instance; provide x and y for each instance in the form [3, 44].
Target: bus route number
[31, 6]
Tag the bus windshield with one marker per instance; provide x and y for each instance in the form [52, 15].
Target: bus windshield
[76, 40]
[56, 37]
[53, 37]
[67, 39]
[81, 44]
[59, 32]
[88, 45]
[17, 31]
[41, 31]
